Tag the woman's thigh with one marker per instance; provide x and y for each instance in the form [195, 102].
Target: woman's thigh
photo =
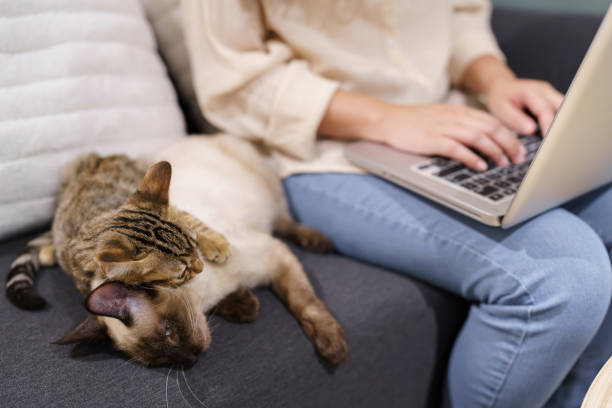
[373, 220]
[595, 209]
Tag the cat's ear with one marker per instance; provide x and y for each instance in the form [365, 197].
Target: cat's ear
[89, 331]
[115, 250]
[117, 259]
[156, 183]
[115, 299]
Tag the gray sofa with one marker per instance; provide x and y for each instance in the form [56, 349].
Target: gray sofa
[400, 331]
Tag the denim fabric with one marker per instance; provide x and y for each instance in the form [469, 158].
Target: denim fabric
[539, 291]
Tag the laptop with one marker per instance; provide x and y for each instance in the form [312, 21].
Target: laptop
[574, 157]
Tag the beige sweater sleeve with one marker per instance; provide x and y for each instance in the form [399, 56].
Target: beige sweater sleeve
[251, 85]
[472, 36]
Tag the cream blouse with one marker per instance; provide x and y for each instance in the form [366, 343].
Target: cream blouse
[266, 69]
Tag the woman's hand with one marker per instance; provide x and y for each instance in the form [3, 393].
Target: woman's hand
[450, 131]
[442, 129]
[508, 98]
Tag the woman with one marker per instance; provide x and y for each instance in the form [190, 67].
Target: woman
[285, 71]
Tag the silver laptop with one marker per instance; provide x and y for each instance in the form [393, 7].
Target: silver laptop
[574, 157]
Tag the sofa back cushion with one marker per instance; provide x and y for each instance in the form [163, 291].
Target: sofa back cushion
[75, 76]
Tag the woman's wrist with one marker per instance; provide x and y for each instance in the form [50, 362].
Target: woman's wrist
[482, 74]
[351, 115]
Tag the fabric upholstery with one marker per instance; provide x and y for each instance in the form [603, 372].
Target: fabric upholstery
[74, 77]
[399, 332]
[538, 45]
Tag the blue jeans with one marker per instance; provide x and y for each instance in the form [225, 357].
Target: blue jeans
[539, 291]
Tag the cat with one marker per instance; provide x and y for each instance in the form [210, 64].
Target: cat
[113, 222]
[227, 182]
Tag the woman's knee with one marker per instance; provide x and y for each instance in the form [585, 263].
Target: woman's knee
[555, 274]
[573, 290]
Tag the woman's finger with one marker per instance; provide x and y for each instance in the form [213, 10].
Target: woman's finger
[477, 139]
[501, 135]
[514, 117]
[484, 120]
[541, 108]
[555, 98]
[448, 147]
[511, 144]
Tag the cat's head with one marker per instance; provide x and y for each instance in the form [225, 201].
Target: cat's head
[153, 326]
[141, 244]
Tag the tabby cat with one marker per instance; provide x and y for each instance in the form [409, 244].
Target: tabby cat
[107, 227]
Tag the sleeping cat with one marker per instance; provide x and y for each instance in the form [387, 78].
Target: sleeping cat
[226, 182]
[108, 227]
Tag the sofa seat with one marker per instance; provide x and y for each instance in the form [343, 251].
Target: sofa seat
[399, 331]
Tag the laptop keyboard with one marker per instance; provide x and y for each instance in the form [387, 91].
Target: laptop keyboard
[495, 184]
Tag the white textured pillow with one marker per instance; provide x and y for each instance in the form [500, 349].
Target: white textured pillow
[75, 76]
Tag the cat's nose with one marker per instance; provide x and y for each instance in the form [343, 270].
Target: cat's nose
[187, 359]
[189, 356]
[197, 266]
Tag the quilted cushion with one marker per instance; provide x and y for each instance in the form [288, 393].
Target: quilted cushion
[75, 76]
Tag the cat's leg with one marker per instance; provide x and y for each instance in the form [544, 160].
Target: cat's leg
[214, 245]
[240, 306]
[286, 227]
[46, 255]
[24, 269]
[290, 283]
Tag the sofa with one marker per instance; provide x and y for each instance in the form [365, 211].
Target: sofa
[400, 330]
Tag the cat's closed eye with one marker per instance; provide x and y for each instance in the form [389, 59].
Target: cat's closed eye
[169, 332]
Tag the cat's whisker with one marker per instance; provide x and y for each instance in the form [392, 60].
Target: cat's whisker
[212, 324]
[212, 329]
[123, 364]
[180, 391]
[167, 377]
[190, 390]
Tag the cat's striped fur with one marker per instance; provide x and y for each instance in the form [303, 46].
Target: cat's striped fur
[24, 269]
[113, 222]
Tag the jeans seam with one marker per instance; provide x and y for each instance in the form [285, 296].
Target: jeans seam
[471, 249]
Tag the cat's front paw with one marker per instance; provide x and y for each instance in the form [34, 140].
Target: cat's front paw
[215, 247]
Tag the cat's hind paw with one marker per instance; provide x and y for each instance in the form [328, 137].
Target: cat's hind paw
[326, 334]
[240, 306]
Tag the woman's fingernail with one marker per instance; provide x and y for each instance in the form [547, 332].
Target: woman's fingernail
[504, 161]
[482, 166]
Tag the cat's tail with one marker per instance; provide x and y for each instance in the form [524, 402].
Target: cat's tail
[20, 279]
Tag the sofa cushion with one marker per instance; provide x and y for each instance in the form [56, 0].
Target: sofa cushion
[75, 76]
[399, 332]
